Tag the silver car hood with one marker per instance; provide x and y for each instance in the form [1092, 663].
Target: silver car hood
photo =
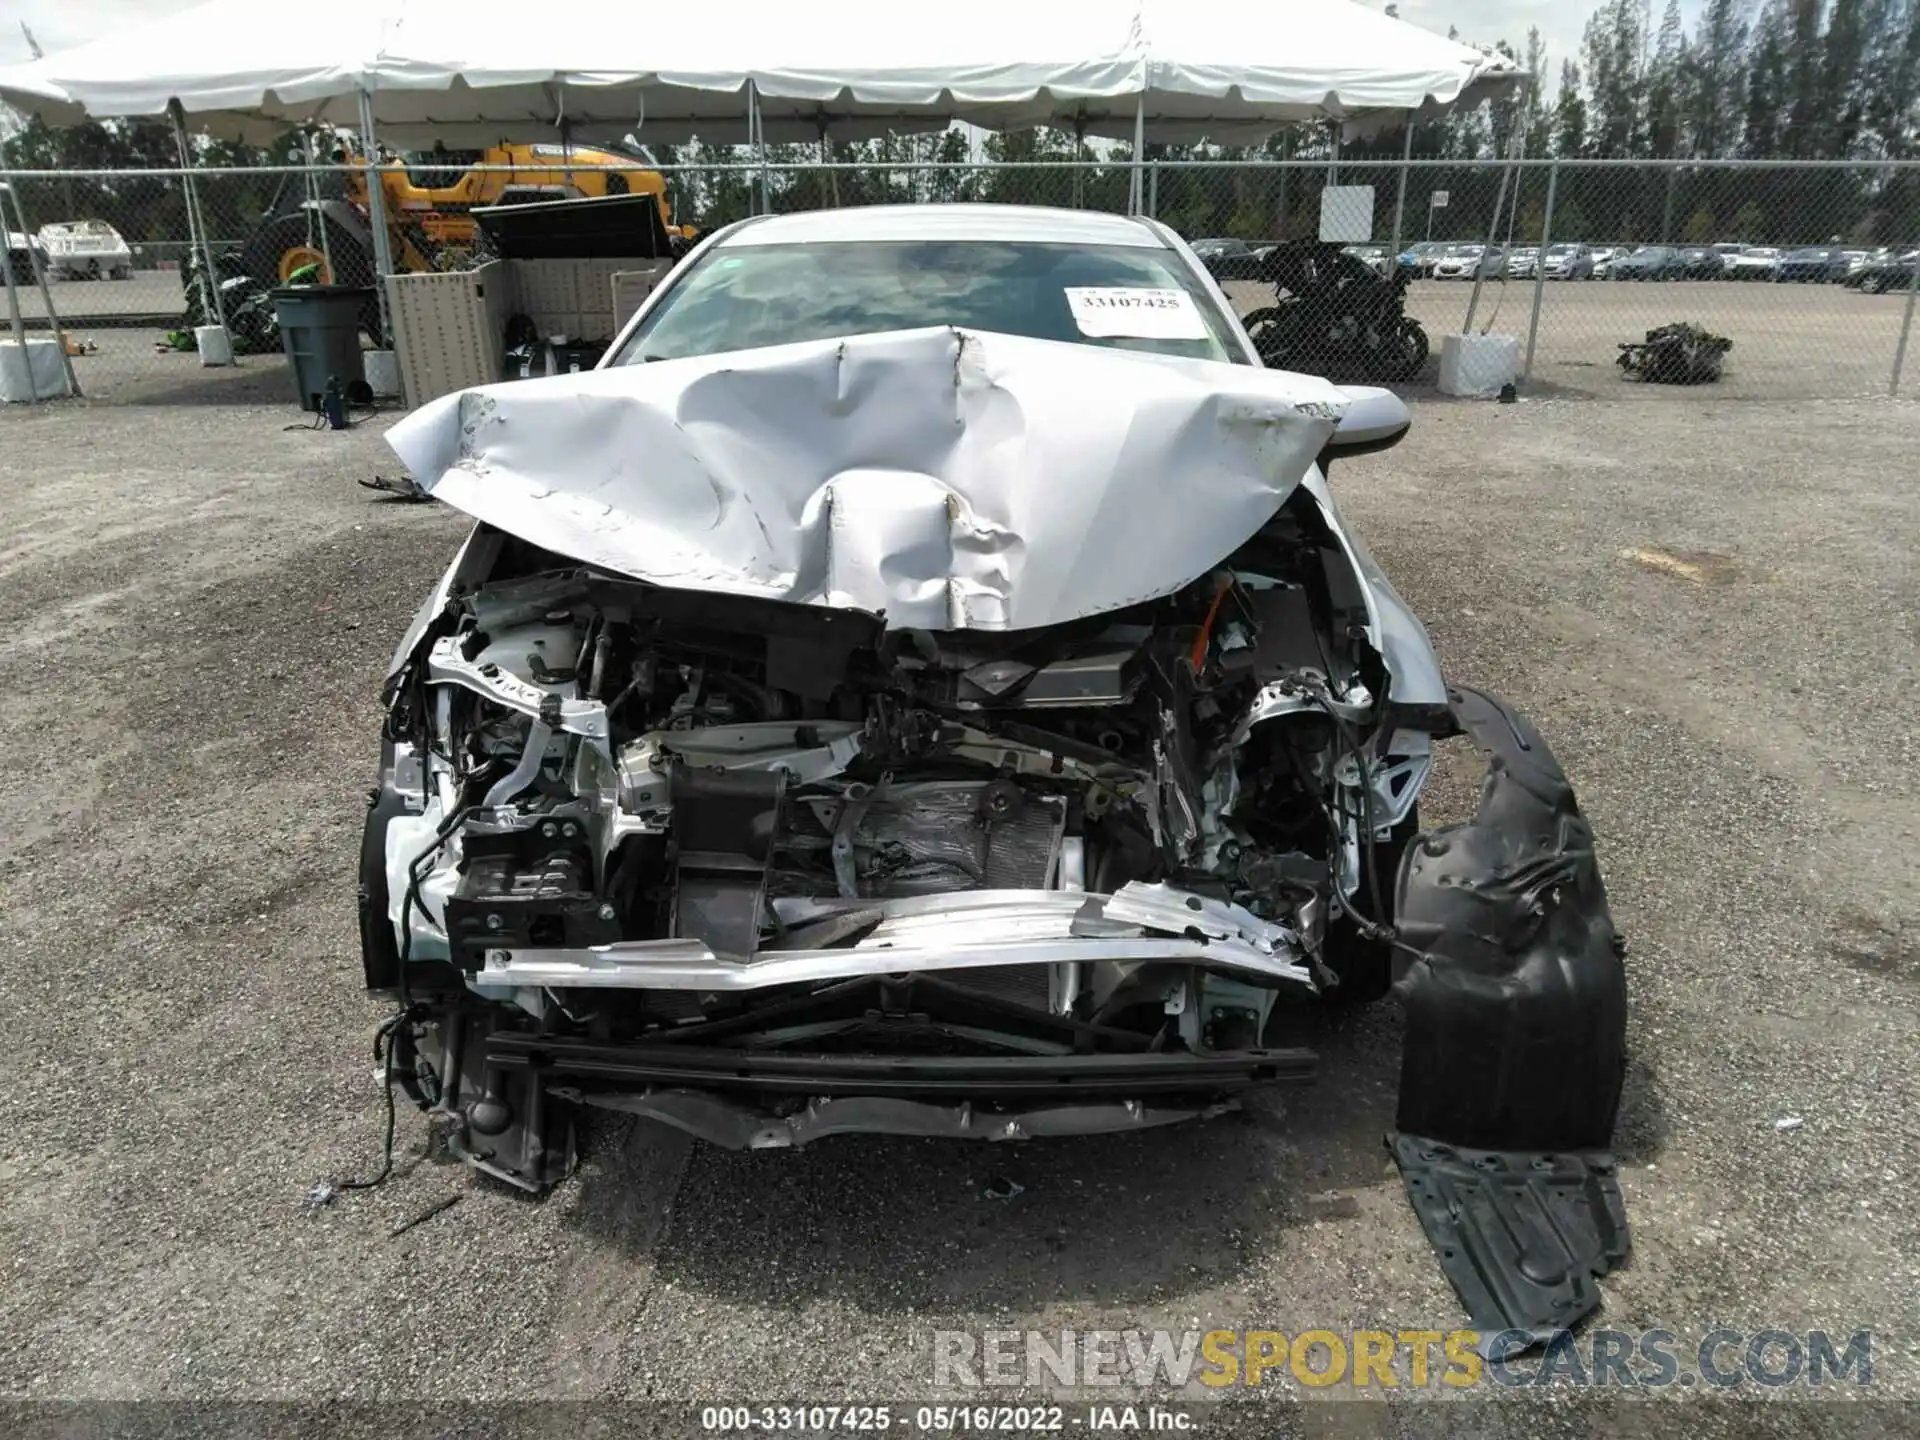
[948, 479]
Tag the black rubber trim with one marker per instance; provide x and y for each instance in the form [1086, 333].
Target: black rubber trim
[953, 1077]
[1522, 1235]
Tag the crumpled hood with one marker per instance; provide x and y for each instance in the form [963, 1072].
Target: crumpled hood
[949, 479]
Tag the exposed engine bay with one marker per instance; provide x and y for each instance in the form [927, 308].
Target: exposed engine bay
[637, 814]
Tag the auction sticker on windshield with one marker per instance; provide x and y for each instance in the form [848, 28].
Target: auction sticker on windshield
[1116, 312]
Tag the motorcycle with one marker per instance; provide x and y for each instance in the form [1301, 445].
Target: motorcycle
[246, 304]
[1336, 316]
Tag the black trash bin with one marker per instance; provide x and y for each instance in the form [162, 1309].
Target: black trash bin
[320, 331]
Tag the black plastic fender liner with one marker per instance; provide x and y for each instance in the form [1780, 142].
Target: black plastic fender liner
[1516, 1009]
[1516, 1042]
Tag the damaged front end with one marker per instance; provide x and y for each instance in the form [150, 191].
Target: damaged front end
[768, 871]
[893, 831]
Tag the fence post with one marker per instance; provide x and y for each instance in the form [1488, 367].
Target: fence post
[1400, 200]
[1540, 267]
[1906, 325]
[376, 218]
[1153, 188]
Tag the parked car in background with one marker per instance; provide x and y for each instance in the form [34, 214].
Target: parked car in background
[1649, 262]
[1374, 257]
[86, 250]
[1567, 262]
[1752, 262]
[1879, 276]
[1230, 259]
[1815, 265]
[1703, 262]
[1521, 263]
[1603, 258]
[1421, 256]
[1458, 262]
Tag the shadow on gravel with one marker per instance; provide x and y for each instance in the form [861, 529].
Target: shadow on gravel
[908, 1224]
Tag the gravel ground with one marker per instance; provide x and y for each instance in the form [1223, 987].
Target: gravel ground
[196, 612]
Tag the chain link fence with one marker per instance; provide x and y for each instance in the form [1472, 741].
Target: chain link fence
[1808, 269]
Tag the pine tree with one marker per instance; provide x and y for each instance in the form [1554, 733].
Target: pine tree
[1717, 61]
[1807, 128]
[1540, 119]
[1663, 86]
[1842, 81]
[1766, 85]
[1570, 113]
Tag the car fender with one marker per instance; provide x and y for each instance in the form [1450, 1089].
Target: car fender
[1392, 628]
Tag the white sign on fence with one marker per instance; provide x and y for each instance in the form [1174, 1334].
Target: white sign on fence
[1346, 214]
[1440, 199]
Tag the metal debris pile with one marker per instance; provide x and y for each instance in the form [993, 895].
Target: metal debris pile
[1677, 354]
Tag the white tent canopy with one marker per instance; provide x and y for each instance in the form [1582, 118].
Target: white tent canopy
[473, 71]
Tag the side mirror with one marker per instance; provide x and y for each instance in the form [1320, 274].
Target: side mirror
[1375, 420]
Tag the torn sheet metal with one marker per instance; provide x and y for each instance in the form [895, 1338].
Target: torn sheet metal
[948, 479]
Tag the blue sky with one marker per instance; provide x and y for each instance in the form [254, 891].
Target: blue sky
[60, 23]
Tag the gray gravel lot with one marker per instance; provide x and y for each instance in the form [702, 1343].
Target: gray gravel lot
[196, 608]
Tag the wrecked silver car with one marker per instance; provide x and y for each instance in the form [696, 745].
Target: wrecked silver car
[921, 684]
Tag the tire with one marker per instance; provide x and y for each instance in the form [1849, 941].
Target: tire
[1266, 328]
[1411, 347]
[1364, 966]
[285, 242]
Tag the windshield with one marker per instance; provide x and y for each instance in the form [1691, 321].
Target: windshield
[741, 297]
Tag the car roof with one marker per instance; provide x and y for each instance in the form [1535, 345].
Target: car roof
[1029, 223]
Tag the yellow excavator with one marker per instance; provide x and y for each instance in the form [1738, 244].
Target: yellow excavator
[429, 198]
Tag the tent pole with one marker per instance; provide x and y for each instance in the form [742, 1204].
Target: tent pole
[313, 195]
[831, 191]
[1134, 190]
[757, 138]
[196, 223]
[46, 299]
[13, 305]
[1079, 145]
[376, 216]
[1400, 201]
[1540, 268]
[1514, 153]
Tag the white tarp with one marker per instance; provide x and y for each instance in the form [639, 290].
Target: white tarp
[951, 479]
[473, 71]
